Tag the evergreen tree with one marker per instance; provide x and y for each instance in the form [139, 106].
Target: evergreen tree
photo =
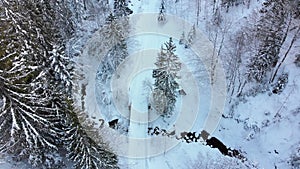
[113, 31]
[229, 3]
[30, 123]
[270, 30]
[114, 39]
[191, 37]
[117, 54]
[165, 75]
[162, 6]
[121, 8]
[217, 18]
[85, 149]
[297, 60]
[182, 39]
[35, 86]
[161, 16]
[61, 67]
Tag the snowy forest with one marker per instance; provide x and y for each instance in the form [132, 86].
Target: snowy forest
[149, 84]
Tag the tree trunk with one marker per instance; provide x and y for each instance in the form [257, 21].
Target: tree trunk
[286, 54]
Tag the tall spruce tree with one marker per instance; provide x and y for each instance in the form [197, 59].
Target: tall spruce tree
[166, 75]
[113, 33]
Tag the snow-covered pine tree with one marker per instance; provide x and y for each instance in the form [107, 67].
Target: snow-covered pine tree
[114, 40]
[113, 32]
[117, 54]
[162, 10]
[166, 74]
[281, 83]
[270, 29]
[64, 19]
[162, 6]
[85, 151]
[296, 9]
[35, 109]
[191, 37]
[121, 8]
[61, 67]
[291, 34]
[91, 154]
[182, 39]
[30, 123]
[217, 17]
[161, 17]
[229, 3]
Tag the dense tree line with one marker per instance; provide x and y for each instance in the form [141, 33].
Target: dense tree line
[38, 120]
[270, 30]
[278, 20]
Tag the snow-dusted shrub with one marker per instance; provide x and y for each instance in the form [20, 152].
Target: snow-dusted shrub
[297, 60]
[182, 39]
[230, 3]
[217, 162]
[281, 83]
[296, 111]
[294, 160]
[259, 88]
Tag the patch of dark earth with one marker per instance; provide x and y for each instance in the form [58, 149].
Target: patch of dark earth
[202, 137]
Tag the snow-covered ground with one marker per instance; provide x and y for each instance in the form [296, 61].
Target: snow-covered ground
[264, 127]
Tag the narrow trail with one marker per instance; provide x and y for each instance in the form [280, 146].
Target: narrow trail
[137, 130]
